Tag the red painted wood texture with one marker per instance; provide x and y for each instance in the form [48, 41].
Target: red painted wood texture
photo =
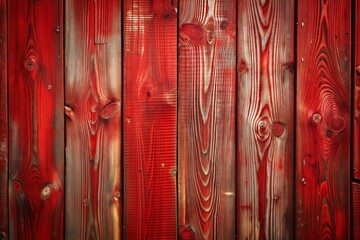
[356, 101]
[150, 93]
[93, 119]
[265, 119]
[323, 120]
[206, 149]
[355, 188]
[4, 220]
[36, 158]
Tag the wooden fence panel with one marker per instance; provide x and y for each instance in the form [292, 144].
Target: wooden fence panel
[36, 155]
[323, 120]
[150, 105]
[265, 119]
[93, 123]
[206, 158]
[4, 212]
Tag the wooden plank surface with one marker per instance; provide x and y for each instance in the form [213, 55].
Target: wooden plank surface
[93, 120]
[36, 158]
[323, 120]
[355, 188]
[206, 150]
[265, 119]
[356, 101]
[3, 124]
[150, 38]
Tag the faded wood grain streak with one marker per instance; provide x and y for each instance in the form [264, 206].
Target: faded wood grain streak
[265, 119]
[36, 158]
[356, 100]
[150, 30]
[93, 121]
[206, 150]
[3, 124]
[323, 120]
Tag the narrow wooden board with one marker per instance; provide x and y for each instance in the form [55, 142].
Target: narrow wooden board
[206, 150]
[356, 101]
[323, 120]
[93, 120]
[4, 219]
[265, 119]
[355, 188]
[150, 38]
[36, 119]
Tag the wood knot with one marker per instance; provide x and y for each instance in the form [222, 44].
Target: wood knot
[30, 64]
[110, 110]
[187, 233]
[192, 32]
[17, 186]
[337, 123]
[262, 130]
[277, 129]
[242, 67]
[223, 25]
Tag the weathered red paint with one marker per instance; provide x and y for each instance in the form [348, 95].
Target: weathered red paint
[149, 120]
[206, 148]
[93, 119]
[36, 159]
[323, 120]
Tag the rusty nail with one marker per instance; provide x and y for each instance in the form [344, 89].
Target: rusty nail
[46, 191]
[303, 180]
[117, 195]
[316, 117]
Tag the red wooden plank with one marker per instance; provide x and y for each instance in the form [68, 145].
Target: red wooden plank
[265, 119]
[355, 188]
[36, 135]
[150, 29]
[356, 86]
[207, 77]
[3, 125]
[93, 123]
[323, 120]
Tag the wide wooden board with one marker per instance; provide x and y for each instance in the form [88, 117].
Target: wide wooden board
[323, 120]
[206, 149]
[265, 119]
[36, 119]
[4, 218]
[150, 30]
[93, 119]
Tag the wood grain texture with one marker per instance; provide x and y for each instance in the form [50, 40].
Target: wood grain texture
[150, 30]
[93, 120]
[323, 120]
[36, 158]
[355, 188]
[206, 150]
[3, 124]
[356, 100]
[265, 119]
